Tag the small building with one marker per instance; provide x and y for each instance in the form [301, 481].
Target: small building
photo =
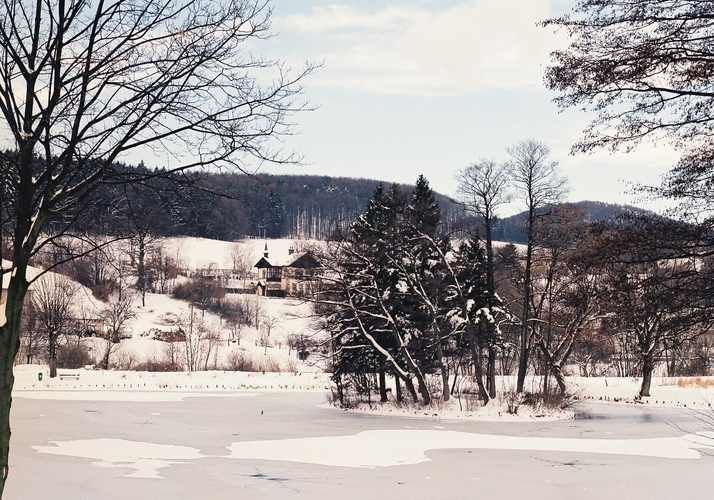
[297, 275]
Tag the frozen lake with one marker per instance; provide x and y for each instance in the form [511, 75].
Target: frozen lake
[283, 445]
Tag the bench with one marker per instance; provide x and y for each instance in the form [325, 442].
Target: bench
[74, 376]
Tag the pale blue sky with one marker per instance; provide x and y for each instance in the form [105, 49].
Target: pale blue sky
[427, 87]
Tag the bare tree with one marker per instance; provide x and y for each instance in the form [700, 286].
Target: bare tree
[483, 188]
[192, 327]
[52, 297]
[84, 84]
[200, 340]
[539, 184]
[241, 260]
[565, 289]
[644, 67]
[269, 322]
[657, 299]
[235, 330]
[115, 315]
[211, 340]
[163, 266]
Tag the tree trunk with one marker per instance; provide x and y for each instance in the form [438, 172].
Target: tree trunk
[53, 355]
[9, 346]
[672, 365]
[410, 387]
[382, 385]
[491, 372]
[647, 369]
[491, 288]
[141, 271]
[398, 386]
[423, 389]
[6, 382]
[558, 375]
[483, 393]
[478, 369]
[525, 317]
[442, 364]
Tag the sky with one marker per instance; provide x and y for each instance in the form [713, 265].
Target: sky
[431, 86]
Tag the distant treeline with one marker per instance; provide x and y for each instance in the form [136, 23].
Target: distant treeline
[234, 206]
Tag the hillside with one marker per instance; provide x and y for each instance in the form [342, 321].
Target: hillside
[511, 228]
[230, 206]
[262, 339]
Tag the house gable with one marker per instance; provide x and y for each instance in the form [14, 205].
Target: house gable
[305, 261]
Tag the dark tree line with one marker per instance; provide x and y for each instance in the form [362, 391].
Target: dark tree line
[231, 206]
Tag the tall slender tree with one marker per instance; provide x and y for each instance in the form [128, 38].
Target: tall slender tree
[483, 188]
[539, 185]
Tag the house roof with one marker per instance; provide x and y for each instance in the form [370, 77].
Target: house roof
[302, 260]
[263, 263]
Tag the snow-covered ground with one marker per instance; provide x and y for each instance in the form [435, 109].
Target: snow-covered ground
[89, 384]
[163, 314]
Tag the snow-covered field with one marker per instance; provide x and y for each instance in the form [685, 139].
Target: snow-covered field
[163, 313]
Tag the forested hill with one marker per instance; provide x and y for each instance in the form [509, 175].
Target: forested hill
[260, 206]
[511, 228]
[265, 206]
[309, 206]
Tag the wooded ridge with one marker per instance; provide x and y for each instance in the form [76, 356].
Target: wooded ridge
[234, 206]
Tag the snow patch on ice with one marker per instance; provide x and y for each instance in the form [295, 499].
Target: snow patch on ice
[144, 458]
[386, 448]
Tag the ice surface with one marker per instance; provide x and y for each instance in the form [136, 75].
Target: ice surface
[226, 447]
[377, 448]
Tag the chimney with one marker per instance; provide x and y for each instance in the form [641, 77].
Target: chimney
[265, 252]
[291, 250]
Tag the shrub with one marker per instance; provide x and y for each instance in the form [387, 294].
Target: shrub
[199, 291]
[156, 366]
[240, 361]
[270, 365]
[101, 292]
[550, 401]
[73, 356]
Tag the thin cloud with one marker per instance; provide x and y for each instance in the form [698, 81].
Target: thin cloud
[477, 46]
[338, 18]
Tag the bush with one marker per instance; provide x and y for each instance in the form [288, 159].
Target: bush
[199, 291]
[270, 365]
[240, 361]
[101, 292]
[157, 366]
[550, 401]
[73, 356]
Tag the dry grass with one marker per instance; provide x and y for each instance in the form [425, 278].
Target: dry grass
[700, 382]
